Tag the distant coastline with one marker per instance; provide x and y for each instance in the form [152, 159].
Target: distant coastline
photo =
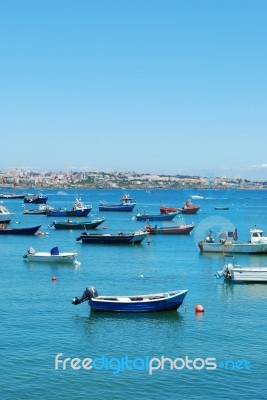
[21, 179]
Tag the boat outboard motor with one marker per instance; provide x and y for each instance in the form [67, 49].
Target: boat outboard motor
[88, 294]
[30, 251]
[220, 274]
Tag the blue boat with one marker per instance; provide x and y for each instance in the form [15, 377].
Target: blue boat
[103, 206]
[78, 210]
[126, 204]
[107, 238]
[38, 198]
[18, 231]
[156, 217]
[137, 303]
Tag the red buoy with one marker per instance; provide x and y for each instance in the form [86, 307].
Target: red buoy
[199, 308]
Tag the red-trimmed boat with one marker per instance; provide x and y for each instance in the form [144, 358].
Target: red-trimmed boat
[188, 208]
[169, 230]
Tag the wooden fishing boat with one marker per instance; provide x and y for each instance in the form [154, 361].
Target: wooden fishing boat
[228, 243]
[82, 225]
[135, 303]
[188, 208]
[156, 217]
[78, 210]
[54, 255]
[4, 230]
[108, 238]
[169, 230]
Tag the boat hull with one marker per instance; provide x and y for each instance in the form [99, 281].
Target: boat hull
[156, 217]
[5, 219]
[70, 213]
[131, 304]
[249, 274]
[117, 207]
[189, 210]
[34, 212]
[112, 239]
[10, 196]
[47, 257]
[5, 215]
[35, 199]
[183, 210]
[78, 225]
[174, 230]
[20, 231]
[245, 248]
[42, 210]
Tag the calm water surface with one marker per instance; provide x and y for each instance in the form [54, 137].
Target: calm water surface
[38, 320]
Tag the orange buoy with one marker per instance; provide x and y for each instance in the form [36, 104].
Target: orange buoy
[199, 308]
[40, 233]
[54, 278]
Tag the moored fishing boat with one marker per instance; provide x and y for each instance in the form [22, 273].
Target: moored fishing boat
[108, 238]
[134, 303]
[126, 204]
[228, 243]
[82, 225]
[54, 255]
[103, 206]
[38, 198]
[169, 230]
[79, 209]
[156, 217]
[10, 196]
[5, 215]
[41, 210]
[188, 208]
[4, 230]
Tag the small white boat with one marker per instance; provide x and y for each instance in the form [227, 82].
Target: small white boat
[54, 255]
[238, 273]
[5, 214]
[197, 196]
[41, 210]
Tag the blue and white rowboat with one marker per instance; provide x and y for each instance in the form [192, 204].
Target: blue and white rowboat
[137, 303]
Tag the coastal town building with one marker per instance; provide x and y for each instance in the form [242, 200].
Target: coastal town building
[23, 178]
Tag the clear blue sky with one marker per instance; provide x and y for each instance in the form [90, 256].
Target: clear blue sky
[146, 85]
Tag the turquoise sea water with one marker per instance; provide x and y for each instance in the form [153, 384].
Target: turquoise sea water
[38, 321]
